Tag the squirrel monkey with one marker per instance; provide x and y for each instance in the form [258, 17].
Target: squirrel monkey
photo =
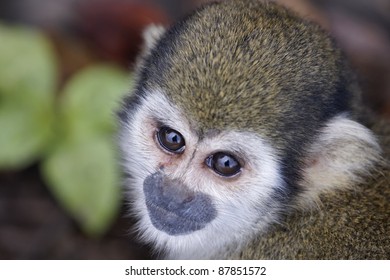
[244, 138]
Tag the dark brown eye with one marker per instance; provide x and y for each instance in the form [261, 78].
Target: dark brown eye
[171, 140]
[223, 164]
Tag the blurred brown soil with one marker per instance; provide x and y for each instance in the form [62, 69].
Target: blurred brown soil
[33, 226]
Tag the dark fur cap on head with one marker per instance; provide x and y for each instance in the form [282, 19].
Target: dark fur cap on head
[250, 66]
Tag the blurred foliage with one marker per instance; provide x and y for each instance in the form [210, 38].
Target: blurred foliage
[71, 133]
[27, 85]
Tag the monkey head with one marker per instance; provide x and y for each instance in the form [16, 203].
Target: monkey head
[241, 111]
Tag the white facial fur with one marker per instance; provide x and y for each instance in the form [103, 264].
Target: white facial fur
[244, 203]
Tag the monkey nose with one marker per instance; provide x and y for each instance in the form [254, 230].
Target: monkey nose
[175, 209]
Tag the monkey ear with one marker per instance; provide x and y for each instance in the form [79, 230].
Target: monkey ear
[152, 35]
[344, 152]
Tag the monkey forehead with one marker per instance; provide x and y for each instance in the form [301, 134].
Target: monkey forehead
[245, 64]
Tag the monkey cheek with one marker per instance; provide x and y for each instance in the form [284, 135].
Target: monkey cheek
[177, 211]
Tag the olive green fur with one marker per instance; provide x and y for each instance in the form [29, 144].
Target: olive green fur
[349, 224]
[247, 65]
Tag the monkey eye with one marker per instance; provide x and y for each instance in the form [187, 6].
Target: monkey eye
[223, 164]
[170, 140]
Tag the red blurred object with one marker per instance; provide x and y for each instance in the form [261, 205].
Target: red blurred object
[113, 29]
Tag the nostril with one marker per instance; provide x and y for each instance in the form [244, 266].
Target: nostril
[176, 204]
[189, 199]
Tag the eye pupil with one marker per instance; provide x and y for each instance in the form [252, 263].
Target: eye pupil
[175, 139]
[170, 140]
[223, 164]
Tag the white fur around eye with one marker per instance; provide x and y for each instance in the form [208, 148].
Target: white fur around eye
[244, 205]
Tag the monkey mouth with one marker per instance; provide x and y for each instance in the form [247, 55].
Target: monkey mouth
[173, 208]
[172, 223]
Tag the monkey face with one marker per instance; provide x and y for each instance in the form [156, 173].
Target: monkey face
[193, 190]
[240, 112]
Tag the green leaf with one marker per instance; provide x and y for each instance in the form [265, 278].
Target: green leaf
[23, 136]
[84, 177]
[27, 84]
[82, 170]
[91, 98]
[27, 65]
